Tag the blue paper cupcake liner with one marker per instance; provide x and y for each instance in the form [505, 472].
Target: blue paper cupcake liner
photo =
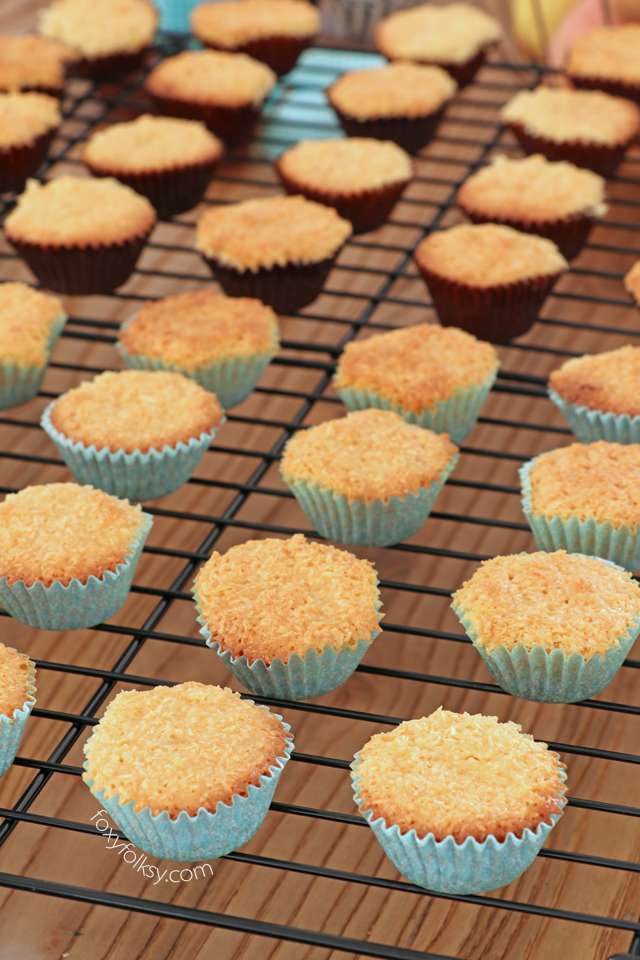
[135, 476]
[456, 415]
[551, 676]
[19, 384]
[358, 523]
[621, 544]
[448, 867]
[231, 379]
[79, 604]
[205, 835]
[300, 678]
[12, 728]
[174, 15]
[591, 425]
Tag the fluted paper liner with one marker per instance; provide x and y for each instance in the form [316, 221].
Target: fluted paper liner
[590, 425]
[19, 384]
[12, 728]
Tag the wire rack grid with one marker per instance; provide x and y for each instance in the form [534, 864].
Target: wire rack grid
[314, 882]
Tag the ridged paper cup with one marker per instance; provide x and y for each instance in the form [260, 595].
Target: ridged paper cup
[591, 425]
[79, 604]
[300, 678]
[456, 415]
[620, 544]
[12, 728]
[134, 476]
[361, 524]
[206, 835]
[448, 867]
[232, 379]
[551, 677]
[19, 384]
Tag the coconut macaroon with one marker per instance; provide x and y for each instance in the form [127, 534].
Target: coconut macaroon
[168, 160]
[632, 282]
[586, 127]
[16, 673]
[28, 122]
[361, 177]
[433, 376]
[110, 37]
[402, 102]
[488, 278]
[223, 90]
[559, 201]
[29, 62]
[608, 58]
[273, 31]
[609, 381]
[277, 249]
[29, 321]
[456, 36]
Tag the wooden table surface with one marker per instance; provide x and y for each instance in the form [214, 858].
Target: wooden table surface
[415, 595]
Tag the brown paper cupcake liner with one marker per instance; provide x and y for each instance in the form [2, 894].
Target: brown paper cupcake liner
[463, 73]
[617, 88]
[170, 191]
[410, 133]
[569, 235]
[367, 209]
[284, 289]
[234, 125]
[278, 52]
[497, 314]
[19, 163]
[109, 67]
[601, 158]
[82, 270]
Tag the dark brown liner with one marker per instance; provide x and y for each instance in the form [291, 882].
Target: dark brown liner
[278, 52]
[617, 88]
[234, 125]
[598, 157]
[367, 209]
[18, 163]
[81, 270]
[497, 314]
[108, 67]
[284, 289]
[172, 190]
[569, 235]
[410, 133]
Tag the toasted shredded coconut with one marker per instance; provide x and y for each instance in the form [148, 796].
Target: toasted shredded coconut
[460, 775]
[26, 318]
[14, 674]
[182, 748]
[26, 116]
[347, 166]
[270, 598]
[100, 27]
[29, 62]
[151, 143]
[607, 381]
[214, 77]
[607, 53]
[397, 90]
[233, 23]
[453, 33]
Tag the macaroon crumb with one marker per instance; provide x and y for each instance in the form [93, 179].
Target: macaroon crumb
[607, 381]
[26, 320]
[185, 747]
[460, 775]
[15, 669]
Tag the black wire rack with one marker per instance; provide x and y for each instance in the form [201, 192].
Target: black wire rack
[422, 659]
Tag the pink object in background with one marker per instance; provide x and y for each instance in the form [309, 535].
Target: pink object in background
[584, 16]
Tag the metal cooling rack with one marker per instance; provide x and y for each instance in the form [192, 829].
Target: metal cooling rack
[377, 291]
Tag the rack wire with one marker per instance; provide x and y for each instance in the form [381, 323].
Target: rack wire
[330, 888]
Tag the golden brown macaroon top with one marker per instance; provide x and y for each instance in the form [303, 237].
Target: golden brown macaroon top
[26, 319]
[533, 189]
[599, 480]
[557, 601]
[370, 455]
[29, 62]
[396, 90]
[232, 23]
[348, 165]
[60, 531]
[417, 366]
[151, 143]
[16, 670]
[182, 748]
[98, 28]
[488, 255]
[270, 598]
[191, 329]
[460, 775]
[573, 116]
[605, 381]
[212, 77]
[607, 53]
[26, 116]
[272, 231]
[79, 211]
[136, 410]
[453, 33]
